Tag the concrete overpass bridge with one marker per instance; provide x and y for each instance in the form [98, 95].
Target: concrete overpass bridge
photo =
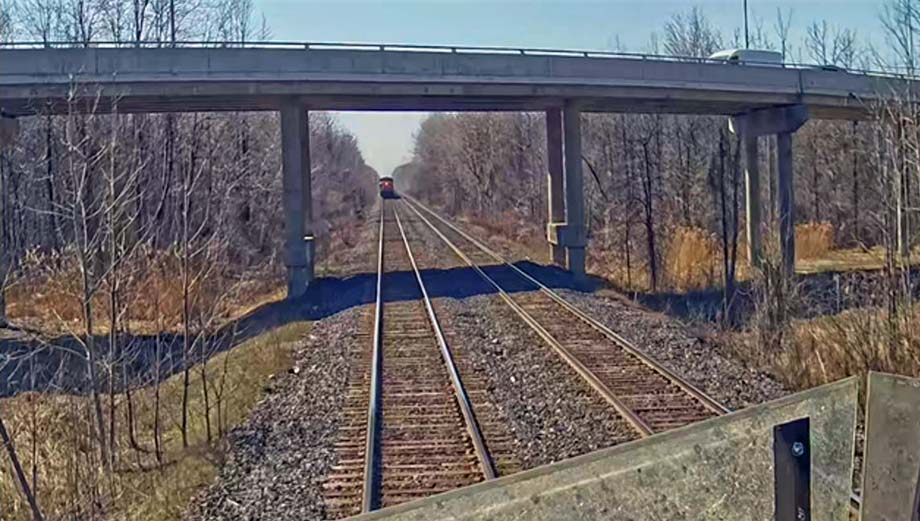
[295, 78]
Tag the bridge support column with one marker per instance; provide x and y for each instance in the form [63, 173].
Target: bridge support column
[786, 201]
[297, 199]
[783, 122]
[9, 131]
[555, 183]
[575, 236]
[753, 223]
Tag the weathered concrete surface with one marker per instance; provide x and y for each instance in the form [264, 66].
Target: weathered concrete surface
[198, 79]
[576, 236]
[766, 122]
[555, 183]
[297, 199]
[9, 130]
[753, 221]
[785, 188]
[721, 469]
[892, 468]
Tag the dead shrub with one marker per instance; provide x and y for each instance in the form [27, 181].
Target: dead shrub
[46, 292]
[852, 343]
[693, 259]
[813, 240]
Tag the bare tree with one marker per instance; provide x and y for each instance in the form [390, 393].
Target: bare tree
[691, 34]
[830, 46]
[20, 474]
[781, 28]
[900, 20]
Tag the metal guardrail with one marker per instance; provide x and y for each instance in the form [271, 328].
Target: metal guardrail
[446, 49]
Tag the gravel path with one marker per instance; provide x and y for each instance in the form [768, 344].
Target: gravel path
[279, 456]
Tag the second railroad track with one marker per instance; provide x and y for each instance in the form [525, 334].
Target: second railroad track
[649, 396]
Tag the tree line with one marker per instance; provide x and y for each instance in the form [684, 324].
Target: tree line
[128, 240]
[652, 180]
[665, 197]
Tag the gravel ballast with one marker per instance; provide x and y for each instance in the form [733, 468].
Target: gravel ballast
[552, 413]
[669, 342]
[665, 339]
[279, 456]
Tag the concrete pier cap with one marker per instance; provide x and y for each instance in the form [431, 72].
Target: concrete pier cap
[769, 121]
[728, 468]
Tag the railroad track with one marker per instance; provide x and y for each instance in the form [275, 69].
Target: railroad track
[410, 429]
[650, 397]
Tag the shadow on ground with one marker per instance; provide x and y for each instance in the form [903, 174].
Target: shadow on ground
[818, 294]
[59, 364]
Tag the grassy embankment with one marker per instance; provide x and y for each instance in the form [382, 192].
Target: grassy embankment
[53, 432]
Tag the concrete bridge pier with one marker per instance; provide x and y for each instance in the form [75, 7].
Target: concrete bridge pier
[299, 247]
[555, 183]
[566, 229]
[783, 122]
[754, 221]
[9, 131]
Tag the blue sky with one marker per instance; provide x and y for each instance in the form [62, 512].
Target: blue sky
[386, 138]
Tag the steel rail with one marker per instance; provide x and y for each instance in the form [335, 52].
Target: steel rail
[370, 446]
[855, 500]
[686, 386]
[628, 414]
[893, 71]
[463, 400]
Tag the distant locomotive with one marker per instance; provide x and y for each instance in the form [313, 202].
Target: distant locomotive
[387, 191]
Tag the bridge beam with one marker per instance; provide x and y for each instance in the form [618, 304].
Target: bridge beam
[555, 183]
[297, 200]
[783, 122]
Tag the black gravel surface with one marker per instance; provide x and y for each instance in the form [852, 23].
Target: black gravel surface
[280, 455]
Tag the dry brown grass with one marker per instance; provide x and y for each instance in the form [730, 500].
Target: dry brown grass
[851, 343]
[693, 260]
[57, 428]
[813, 240]
[48, 296]
[826, 349]
[612, 266]
[508, 233]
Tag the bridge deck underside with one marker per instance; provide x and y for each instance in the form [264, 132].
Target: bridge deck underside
[42, 100]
